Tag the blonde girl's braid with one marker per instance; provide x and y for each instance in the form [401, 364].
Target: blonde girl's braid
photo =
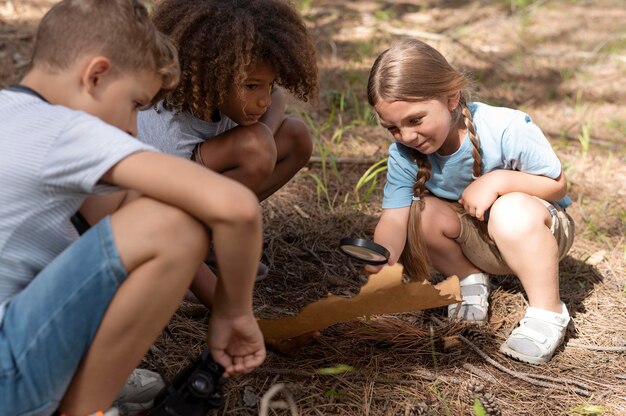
[469, 123]
[414, 257]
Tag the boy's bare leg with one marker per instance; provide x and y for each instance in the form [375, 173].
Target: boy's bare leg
[161, 247]
[520, 226]
[251, 156]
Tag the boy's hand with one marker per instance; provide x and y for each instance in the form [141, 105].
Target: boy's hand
[236, 343]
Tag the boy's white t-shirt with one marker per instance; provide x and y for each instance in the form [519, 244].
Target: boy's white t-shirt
[177, 133]
[51, 159]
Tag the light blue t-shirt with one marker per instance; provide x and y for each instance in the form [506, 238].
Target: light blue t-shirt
[508, 140]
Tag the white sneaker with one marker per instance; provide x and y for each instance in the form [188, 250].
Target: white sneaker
[138, 393]
[538, 335]
[475, 305]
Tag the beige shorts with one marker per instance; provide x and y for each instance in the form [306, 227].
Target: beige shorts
[481, 250]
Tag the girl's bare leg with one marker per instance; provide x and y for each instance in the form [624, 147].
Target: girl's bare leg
[440, 226]
[251, 155]
[294, 146]
[520, 226]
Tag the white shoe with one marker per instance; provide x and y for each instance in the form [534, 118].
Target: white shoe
[538, 335]
[475, 305]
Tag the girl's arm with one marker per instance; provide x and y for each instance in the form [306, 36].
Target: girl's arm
[391, 233]
[482, 193]
[275, 114]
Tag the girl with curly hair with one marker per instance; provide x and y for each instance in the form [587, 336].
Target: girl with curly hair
[471, 189]
[228, 112]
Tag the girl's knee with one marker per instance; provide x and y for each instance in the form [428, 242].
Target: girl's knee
[438, 220]
[299, 138]
[516, 214]
[257, 150]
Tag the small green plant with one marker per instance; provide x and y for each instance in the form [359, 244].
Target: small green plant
[321, 189]
[303, 5]
[441, 397]
[323, 147]
[369, 180]
[618, 124]
[588, 410]
[333, 371]
[384, 15]
[584, 138]
[334, 393]
[519, 4]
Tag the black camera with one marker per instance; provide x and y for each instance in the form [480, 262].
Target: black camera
[194, 391]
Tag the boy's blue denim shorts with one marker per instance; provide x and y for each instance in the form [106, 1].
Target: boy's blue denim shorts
[49, 326]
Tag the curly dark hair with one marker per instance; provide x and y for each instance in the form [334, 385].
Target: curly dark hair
[218, 40]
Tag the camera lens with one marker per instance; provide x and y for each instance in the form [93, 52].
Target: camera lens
[201, 385]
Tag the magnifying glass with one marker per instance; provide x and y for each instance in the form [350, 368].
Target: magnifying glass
[364, 250]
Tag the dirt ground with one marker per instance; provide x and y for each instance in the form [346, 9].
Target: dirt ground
[563, 62]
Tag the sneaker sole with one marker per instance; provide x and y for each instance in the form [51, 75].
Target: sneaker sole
[504, 349]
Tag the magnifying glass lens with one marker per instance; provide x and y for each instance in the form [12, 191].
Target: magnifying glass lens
[364, 250]
[363, 253]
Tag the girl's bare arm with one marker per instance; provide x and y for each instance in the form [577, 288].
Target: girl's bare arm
[391, 231]
[275, 114]
[482, 193]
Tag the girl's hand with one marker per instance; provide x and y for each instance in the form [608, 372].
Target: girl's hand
[478, 197]
[236, 343]
[373, 269]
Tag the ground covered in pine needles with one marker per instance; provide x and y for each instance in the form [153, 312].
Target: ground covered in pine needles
[562, 61]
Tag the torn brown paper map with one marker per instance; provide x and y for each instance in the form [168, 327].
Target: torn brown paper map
[385, 292]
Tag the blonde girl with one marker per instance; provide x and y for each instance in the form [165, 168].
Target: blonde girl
[471, 190]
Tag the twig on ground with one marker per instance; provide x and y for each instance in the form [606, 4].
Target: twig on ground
[480, 373]
[413, 33]
[522, 376]
[559, 380]
[290, 403]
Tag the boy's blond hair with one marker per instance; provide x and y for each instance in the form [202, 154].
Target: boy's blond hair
[120, 30]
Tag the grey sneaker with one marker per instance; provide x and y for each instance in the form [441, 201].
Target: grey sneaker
[139, 392]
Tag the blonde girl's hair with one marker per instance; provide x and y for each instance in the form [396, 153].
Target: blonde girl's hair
[412, 70]
[120, 30]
